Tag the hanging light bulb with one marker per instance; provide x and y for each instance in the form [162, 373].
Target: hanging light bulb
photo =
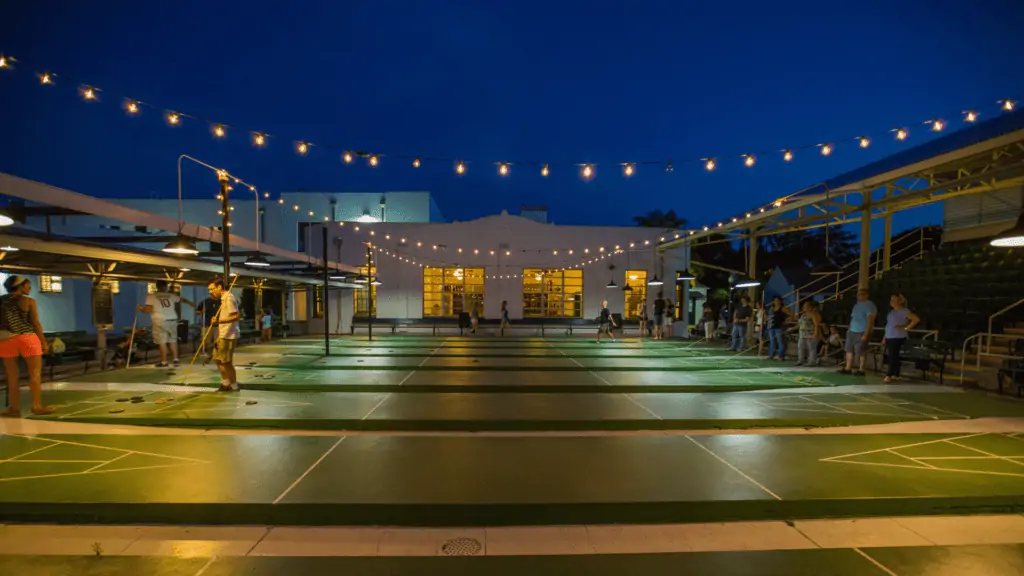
[778, 204]
[415, 162]
[132, 107]
[460, 168]
[864, 142]
[826, 149]
[302, 148]
[46, 79]
[627, 170]
[266, 194]
[587, 172]
[346, 157]
[544, 171]
[3, 61]
[503, 169]
[1008, 105]
[258, 139]
[970, 116]
[668, 167]
[901, 134]
[787, 155]
[173, 118]
[218, 131]
[749, 160]
[709, 165]
[373, 160]
[280, 200]
[89, 93]
[938, 125]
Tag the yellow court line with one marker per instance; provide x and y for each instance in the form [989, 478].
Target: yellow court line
[70, 443]
[924, 468]
[903, 446]
[86, 472]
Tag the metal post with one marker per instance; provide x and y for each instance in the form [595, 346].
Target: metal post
[864, 272]
[326, 297]
[752, 262]
[225, 223]
[887, 246]
[369, 292]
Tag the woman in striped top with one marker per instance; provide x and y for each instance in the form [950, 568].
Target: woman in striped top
[21, 334]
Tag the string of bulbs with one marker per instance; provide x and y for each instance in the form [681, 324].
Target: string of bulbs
[437, 263]
[587, 170]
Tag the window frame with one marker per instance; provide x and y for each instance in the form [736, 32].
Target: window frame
[476, 273]
[51, 284]
[544, 295]
[636, 295]
[359, 298]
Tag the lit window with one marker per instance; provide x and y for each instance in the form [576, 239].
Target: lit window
[636, 297]
[451, 291]
[51, 284]
[552, 293]
[318, 302]
[360, 296]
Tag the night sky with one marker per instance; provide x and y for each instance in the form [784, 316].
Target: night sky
[557, 81]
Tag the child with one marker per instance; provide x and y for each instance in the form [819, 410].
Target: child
[605, 322]
[266, 324]
[833, 346]
[809, 328]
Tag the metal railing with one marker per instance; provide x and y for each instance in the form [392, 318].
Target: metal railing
[979, 354]
[991, 319]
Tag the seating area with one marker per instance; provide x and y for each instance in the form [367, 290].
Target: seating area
[449, 324]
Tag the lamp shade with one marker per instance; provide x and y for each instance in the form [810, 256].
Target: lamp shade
[612, 284]
[181, 245]
[361, 279]
[257, 261]
[6, 220]
[376, 282]
[1012, 238]
[655, 281]
[685, 275]
[745, 282]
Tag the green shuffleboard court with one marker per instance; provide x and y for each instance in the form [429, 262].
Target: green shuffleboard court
[480, 480]
[987, 560]
[524, 411]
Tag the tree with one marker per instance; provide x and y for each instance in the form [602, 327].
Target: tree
[659, 219]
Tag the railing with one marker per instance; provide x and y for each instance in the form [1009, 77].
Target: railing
[933, 334]
[991, 319]
[979, 354]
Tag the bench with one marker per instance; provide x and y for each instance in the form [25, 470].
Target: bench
[565, 325]
[926, 355]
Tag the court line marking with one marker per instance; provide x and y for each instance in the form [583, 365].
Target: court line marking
[310, 469]
[897, 405]
[602, 379]
[914, 460]
[98, 466]
[869, 558]
[961, 457]
[85, 472]
[52, 461]
[735, 469]
[80, 444]
[100, 405]
[207, 565]
[902, 447]
[378, 405]
[987, 453]
[934, 469]
[197, 396]
[30, 451]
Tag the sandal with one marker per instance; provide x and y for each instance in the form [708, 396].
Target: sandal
[44, 410]
[844, 371]
[10, 413]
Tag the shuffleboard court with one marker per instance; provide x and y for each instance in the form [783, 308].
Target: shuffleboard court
[422, 480]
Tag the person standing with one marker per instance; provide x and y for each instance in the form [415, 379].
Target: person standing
[474, 317]
[21, 335]
[605, 322]
[708, 318]
[778, 315]
[809, 328]
[759, 327]
[163, 314]
[898, 325]
[206, 310]
[859, 334]
[641, 314]
[505, 322]
[670, 317]
[266, 325]
[659, 316]
[740, 319]
[226, 323]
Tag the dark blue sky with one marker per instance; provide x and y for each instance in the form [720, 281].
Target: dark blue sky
[559, 82]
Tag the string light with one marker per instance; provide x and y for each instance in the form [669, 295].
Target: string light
[346, 157]
[544, 171]
[460, 168]
[778, 204]
[938, 125]
[266, 194]
[132, 107]
[280, 200]
[901, 134]
[587, 172]
[3, 61]
[415, 162]
[627, 170]
[89, 93]
[787, 155]
[826, 149]
[709, 165]
[258, 139]
[374, 160]
[503, 169]
[971, 116]
[1008, 105]
[218, 131]
[302, 148]
[749, 160]
[46, 79]
[864, 142]
[173, 118]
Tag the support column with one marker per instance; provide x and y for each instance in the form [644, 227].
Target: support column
[225, 224]
[752, 263]
[865, 242]
[326, 295]
[887, 246]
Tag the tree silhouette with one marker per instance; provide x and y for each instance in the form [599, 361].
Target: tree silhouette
[659, 219]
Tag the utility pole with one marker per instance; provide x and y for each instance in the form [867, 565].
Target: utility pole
[369, 292]
[326, 295]
[225, 223]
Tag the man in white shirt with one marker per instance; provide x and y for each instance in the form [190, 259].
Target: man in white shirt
[226, 320]
[162, 309]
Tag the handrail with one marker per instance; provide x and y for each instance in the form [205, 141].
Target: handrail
[932, 333]
[979, 354]
[991, 318]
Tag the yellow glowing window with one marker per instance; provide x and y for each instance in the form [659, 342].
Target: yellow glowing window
[636, 295]
[450, 291]
[552, 293]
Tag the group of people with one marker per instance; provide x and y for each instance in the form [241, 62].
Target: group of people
[22, 336]
[816, 339]
[664, 315]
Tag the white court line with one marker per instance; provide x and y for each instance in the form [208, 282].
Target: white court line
[961, 457]
[99, 405]
[914, 460]
[32, 451]
[904, 446]
[869, 558]
[85, 472]
[70, 443]
[310, 469]
[98, 466]
[378, 405]
[893, 405]
[599, 377]
[933, 469]
[735, 469]
[197, 396]
[210, 563]
[987, 453]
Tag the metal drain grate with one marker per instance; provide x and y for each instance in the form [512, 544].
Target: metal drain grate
[461, 547]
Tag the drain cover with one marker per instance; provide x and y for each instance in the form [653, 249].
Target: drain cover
[461, 547]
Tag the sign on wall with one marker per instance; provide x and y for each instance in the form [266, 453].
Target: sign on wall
[102, 306]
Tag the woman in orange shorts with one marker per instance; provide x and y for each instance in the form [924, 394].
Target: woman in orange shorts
[21, 334]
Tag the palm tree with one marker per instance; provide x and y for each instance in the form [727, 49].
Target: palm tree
[659, 219]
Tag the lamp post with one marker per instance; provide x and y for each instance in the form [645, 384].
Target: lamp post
[369, 292]
[225, 223]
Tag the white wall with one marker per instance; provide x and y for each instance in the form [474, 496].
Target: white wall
[530, 245]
